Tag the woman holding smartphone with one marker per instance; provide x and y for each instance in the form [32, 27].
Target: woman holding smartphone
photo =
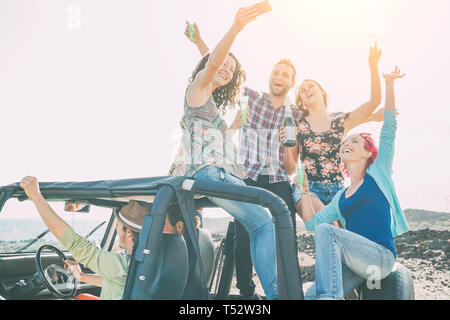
[212, 156]
[369, 210]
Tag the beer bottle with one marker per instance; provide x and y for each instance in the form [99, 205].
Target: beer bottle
[289, 127]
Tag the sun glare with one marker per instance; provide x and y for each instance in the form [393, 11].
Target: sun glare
[337, 20]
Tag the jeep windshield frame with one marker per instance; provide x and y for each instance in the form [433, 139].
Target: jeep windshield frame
[189, 195]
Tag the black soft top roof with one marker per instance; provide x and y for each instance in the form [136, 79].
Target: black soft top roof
[102, 192]
[162, 191]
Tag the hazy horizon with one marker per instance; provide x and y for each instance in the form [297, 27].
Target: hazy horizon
[93, 90]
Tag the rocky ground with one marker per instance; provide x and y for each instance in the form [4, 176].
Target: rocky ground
[424, 252]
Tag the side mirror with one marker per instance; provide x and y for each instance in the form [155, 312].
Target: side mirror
[73, 206]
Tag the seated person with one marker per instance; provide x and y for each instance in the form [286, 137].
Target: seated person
[111, 268]
[369, 209]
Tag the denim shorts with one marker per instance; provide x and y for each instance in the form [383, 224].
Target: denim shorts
[324, 191]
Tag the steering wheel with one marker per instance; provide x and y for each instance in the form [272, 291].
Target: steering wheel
[55, 277]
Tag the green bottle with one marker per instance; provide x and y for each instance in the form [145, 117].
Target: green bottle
[289, 127]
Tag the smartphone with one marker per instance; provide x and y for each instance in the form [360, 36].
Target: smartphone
[262, 7]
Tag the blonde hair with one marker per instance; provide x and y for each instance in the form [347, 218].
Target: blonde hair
[298, 96]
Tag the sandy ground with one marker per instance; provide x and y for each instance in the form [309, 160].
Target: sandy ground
[424, 252]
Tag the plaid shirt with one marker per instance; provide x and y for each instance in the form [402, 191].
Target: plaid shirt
[259, 139]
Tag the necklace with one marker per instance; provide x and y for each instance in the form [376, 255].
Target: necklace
[353, 188]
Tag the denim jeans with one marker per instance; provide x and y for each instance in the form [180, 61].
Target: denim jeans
[324, 191]
[243, 260]
[258, 223]
[344, 260]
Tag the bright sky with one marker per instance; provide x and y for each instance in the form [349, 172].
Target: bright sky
[93, 90]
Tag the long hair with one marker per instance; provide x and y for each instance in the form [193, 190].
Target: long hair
[370, 146]
[227, 95]
[298, 98]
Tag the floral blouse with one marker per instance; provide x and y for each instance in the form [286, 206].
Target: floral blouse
[319, 152]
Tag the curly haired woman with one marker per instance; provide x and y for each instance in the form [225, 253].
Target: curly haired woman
[211, 155]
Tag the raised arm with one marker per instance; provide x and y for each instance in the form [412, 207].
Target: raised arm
[378, 116]
[54, 223]
[390, 95]
[196, 39]
[388, 131]
[201, 87]
[363, 112]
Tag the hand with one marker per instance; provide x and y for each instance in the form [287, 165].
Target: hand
[379, 115]
[74, 268]
[396, 74]
[239, 120]
[196, 37]
[244, 16]
[305, 182]
[283, 133]
[31, 187]
[374, 56]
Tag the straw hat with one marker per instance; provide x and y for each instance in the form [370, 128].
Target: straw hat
[132, 215]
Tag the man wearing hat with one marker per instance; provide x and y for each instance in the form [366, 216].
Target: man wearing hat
[111, 268]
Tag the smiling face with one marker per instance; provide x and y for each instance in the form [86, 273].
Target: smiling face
[281, 80]
[310, 92]
[225, 73]
[353, 150]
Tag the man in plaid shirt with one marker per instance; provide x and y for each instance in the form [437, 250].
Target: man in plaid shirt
[259, 142]
[262, 153]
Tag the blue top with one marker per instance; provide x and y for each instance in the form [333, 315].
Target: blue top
[367, 213]
[381, 172]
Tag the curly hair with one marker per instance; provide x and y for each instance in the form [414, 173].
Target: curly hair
[227, 95]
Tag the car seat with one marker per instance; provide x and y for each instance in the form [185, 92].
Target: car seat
[171, 273]
[193, 289]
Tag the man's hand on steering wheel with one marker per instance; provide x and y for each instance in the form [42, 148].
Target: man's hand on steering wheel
[69, 280]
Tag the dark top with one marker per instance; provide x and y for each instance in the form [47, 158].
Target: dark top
[367, 213]
[320, 151]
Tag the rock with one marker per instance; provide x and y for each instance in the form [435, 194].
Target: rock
[431, 254]
[436, 244]
[308, 273]
[403, 240]
[407, 254]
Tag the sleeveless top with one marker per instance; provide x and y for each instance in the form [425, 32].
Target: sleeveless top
[207, 141]
[320, 151]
